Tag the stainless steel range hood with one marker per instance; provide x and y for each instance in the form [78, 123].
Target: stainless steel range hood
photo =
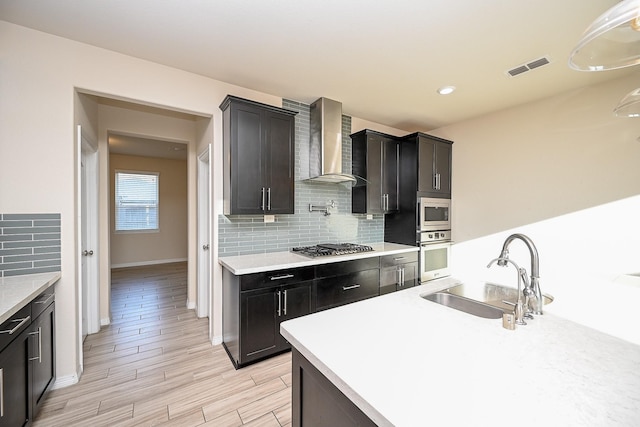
[325, 156]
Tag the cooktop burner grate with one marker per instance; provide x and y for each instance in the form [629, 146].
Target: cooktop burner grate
[329, 249]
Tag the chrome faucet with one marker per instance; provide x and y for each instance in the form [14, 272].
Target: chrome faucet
[519, 306]
[532, 288]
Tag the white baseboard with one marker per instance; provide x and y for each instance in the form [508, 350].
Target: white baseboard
[66, 381]
[104, 322]
[191, 305]
[216, 340]
[143, 263]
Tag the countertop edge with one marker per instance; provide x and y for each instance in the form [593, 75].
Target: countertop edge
[287, 260]
[48, 280]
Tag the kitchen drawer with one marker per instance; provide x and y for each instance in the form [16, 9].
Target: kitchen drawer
[42, 301]
[339, 290]
[268, 279]
[346, 267]
[397, 259]
[16, 324]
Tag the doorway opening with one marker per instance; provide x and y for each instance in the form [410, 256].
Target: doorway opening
[133, 136]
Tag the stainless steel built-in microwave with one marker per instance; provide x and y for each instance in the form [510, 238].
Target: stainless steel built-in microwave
[434, 214]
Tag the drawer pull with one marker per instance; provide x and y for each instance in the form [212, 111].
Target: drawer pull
[400, 258]
[46, 300]
[279, 304]
[285, 302]
[347, 288]
[284, 276]
[18, 326]
[39, 333]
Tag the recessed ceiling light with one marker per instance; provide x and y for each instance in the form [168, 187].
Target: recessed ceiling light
[446, 90]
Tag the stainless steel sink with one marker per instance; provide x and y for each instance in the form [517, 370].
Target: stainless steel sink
[486, 300]
[465, 304]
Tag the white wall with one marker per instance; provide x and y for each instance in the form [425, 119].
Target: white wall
[39, 74]
[543, 159]
[565, 172]
[169, 242]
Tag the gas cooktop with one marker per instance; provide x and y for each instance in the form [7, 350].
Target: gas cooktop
[329, 249]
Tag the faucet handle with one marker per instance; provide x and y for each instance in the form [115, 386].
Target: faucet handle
[523, 274]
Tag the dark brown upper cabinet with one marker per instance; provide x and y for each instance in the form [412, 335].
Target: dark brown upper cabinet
[434, 166]
[376, 158]
[259, 153]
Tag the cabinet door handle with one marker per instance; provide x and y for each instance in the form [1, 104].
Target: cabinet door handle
[45, 301]
[438, 180]
[279, 304]
[39, 332]
[402, 275]
[400, 258]
[1, 392]
[18, 326]
[285, 302]
[269, 198]
[262, 195]
[347, 288]
[284, 276]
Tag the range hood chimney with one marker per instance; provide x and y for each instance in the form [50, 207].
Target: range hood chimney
[325, 156]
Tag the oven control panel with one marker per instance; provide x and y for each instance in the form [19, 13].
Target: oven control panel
[435, 236]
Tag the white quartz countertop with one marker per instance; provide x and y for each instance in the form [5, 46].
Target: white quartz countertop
[18, 291]
[406, 361]
[257, 263]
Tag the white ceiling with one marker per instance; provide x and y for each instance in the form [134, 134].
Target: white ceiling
[383, 60]
[145, 147]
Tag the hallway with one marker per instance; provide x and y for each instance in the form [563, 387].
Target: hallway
[154, 365]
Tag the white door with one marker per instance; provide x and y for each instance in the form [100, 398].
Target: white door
[88, 235]
[204, 233]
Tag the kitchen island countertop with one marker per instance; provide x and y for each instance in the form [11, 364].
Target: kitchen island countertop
[406, 361]
[18, 291]
[258, 263]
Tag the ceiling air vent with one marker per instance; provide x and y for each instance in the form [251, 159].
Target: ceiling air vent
[528, 66]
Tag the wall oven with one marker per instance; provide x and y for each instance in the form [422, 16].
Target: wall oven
[435, 254]
[434, 214]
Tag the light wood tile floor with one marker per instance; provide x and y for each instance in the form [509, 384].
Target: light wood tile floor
[154, 365]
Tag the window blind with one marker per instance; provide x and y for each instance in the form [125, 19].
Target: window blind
[136, 201]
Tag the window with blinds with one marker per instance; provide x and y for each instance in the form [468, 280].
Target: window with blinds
[136, 202]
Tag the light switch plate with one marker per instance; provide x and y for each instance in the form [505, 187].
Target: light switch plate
[269, 218]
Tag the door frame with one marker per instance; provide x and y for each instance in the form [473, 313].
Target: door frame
[204, 256]
[87, 230]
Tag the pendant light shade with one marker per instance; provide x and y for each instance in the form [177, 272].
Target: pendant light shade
[629, 106]
[612, 41]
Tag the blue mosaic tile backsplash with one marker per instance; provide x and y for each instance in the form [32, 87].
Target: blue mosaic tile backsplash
[249, 234]
[29, 243]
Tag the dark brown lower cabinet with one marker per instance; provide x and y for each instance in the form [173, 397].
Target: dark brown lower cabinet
[398, 272]
[14, 380]
[254, 305]
[317, 402]
[263, 311]
[27, 360]
[346, 282]
[42, 359]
